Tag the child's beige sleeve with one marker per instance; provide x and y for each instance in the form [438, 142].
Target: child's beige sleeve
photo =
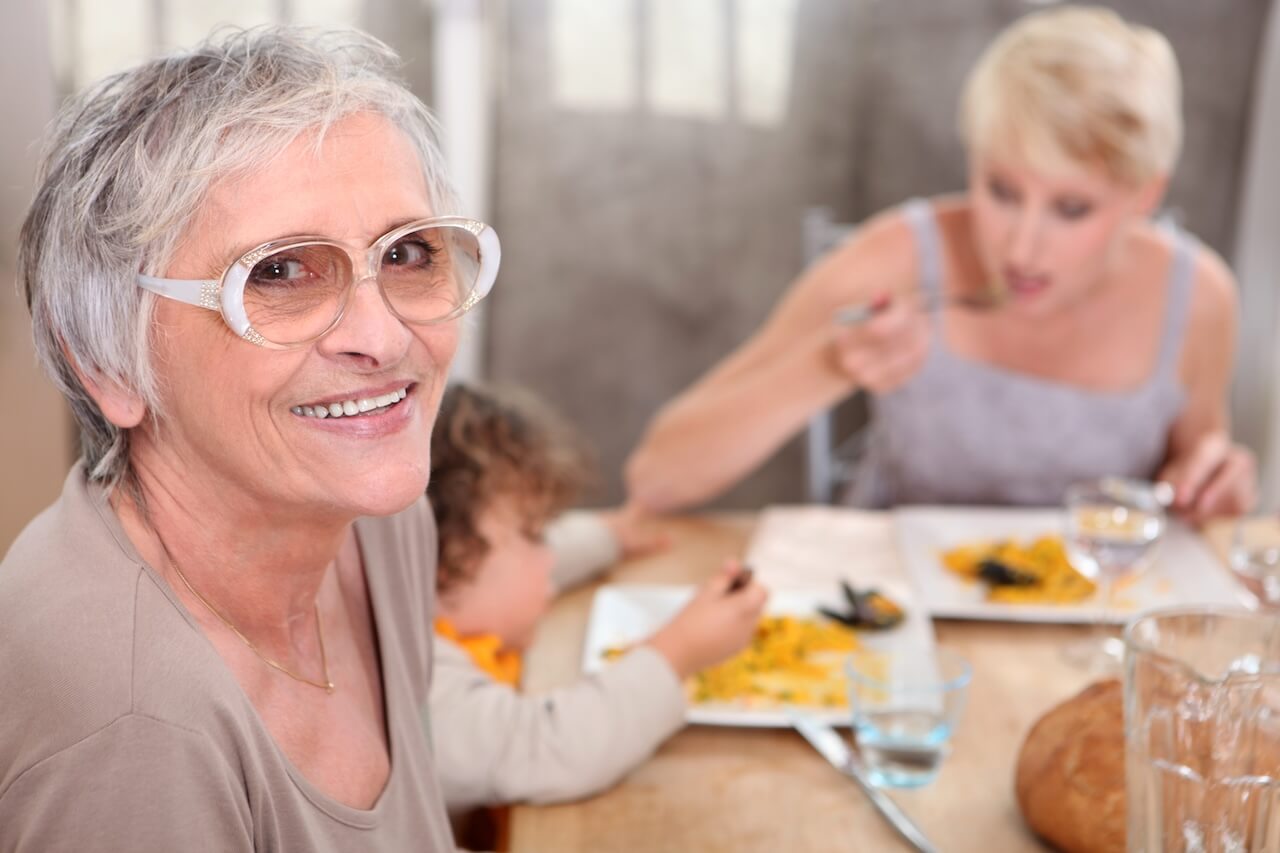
[496, 745]
[583, 545]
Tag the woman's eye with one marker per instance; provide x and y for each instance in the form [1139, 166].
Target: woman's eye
[1072, 208]
[278, 270]
[1001, 191]
[410, 253]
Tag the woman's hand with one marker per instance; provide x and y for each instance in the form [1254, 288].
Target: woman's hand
[886, 350]
[1215, 478]
[635, 531]
[715, 625]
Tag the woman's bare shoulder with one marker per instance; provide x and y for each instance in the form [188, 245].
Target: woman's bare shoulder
[1213, 293]
[1214, 301]
[1209, 334]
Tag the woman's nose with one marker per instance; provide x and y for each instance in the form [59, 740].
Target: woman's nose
[368, 332]
[1024, 240]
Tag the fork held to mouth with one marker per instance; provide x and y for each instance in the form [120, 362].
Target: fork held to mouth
[862, 312]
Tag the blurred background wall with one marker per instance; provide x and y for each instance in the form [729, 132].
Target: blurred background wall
[35, 430]
[648, 164]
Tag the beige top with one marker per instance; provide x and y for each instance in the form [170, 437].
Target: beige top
[123, 729]
[496, 745]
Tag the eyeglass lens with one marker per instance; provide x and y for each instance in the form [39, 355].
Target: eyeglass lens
[296, 293]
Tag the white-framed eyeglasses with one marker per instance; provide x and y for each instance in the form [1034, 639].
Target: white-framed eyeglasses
[291, 292]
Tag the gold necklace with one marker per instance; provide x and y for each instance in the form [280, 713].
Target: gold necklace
[326, 685]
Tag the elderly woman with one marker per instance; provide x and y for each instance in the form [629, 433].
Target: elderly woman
[244, 272]
[1111, 349]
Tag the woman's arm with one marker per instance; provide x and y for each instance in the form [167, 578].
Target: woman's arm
[799, 363]
[1211, 476]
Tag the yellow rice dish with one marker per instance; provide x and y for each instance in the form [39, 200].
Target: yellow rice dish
[1047, 575]
[792, 660]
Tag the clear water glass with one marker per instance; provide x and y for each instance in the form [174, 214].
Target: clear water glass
[1255, 558]
[905, 707]
[1202, 731]
[1113, 528]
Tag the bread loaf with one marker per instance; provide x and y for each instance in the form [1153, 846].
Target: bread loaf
[1070, 776]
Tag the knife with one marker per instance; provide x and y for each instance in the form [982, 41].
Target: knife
[833, 748]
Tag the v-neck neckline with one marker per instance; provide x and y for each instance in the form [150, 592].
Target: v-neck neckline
[391, 701]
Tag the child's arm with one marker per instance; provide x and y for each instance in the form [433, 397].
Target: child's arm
[494, 745]
[585, 543]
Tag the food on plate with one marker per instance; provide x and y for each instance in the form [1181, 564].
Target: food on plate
[792, 660]
[1035, 573]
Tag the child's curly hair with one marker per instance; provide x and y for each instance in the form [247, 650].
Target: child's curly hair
[494, 443]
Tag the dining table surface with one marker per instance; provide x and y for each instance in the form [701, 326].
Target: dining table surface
[741, 789]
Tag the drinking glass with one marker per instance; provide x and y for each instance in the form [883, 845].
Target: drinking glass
[1202, 731]
[1255, 558]
[905, 707]
[1113, 526]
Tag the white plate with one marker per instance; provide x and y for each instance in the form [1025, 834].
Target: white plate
[1185, 570]
[623, 614]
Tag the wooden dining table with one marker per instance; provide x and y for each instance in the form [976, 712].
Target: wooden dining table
[736, 789]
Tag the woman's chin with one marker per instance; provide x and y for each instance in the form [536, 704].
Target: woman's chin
[385, 492]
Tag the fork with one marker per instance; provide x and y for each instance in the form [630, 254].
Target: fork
[987, 300]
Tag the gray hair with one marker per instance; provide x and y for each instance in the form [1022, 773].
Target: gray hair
[128, 163]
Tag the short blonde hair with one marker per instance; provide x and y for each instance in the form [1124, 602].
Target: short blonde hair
[1077, 86]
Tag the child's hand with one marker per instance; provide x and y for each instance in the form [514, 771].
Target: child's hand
[714, 626]
[634, 531]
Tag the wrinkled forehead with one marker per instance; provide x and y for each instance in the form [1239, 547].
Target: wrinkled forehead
[352, 182]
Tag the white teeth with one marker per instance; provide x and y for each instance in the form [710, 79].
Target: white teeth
[347, 408]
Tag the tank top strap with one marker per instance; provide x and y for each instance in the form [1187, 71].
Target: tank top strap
[1182, 273]
[924, 227]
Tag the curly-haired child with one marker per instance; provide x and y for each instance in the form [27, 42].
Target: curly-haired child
[502, 468]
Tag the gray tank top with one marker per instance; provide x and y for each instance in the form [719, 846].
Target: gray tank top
[962, 431]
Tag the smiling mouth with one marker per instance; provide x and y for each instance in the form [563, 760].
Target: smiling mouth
[355, 407]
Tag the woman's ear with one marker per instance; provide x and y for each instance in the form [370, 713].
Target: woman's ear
[121, 406]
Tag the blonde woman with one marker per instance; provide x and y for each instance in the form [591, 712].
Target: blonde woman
[1110, 348]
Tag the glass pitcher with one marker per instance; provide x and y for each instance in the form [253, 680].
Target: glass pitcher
[1202, 731]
